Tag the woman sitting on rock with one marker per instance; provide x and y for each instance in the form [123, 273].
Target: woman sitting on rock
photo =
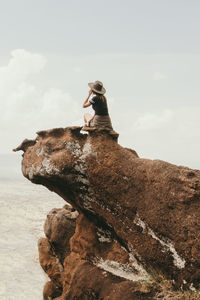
[101, 118]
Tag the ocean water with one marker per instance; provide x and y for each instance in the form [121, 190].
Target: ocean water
[23, 210]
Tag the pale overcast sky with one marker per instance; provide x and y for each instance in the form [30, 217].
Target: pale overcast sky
[147, 54]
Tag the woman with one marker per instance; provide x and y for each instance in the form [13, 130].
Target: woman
[101, 118]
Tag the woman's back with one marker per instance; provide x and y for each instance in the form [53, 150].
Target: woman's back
[99, 104]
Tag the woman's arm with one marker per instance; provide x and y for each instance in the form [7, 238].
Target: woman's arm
[86, 103]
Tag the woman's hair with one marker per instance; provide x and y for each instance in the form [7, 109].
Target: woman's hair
[101, 97]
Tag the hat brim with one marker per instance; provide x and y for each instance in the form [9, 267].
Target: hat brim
[91, 85]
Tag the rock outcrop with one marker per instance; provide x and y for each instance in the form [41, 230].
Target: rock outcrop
[136, 218]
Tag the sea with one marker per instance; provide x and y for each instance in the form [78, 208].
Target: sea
[23, 210]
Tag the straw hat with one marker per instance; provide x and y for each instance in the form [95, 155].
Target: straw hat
[97, 87]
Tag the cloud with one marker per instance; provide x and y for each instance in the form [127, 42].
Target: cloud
[26, 106]
[77, 70]
[159, 76]
[20, 66]
[170, 134]
[152, 121]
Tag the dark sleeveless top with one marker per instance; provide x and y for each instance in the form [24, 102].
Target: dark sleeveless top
[100, 107]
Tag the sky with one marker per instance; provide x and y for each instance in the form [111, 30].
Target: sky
[146, 53]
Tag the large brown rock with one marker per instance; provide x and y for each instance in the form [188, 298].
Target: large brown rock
[50, 263]
[96, 267]
[149, 207]
[59, 228]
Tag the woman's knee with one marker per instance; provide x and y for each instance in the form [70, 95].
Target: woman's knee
[87, 116]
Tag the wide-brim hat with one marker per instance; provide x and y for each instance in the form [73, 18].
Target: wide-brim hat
[97, 87]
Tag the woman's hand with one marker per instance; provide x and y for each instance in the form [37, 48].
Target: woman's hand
[86, 103]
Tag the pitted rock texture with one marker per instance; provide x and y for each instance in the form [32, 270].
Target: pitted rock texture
[59, 228]
[97, 267]
[149, 207]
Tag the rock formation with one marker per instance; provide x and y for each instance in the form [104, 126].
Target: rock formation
[136, 219]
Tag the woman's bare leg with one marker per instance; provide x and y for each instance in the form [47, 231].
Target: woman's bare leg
[87, 118]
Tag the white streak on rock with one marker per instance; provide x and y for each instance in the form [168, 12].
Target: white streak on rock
[121, 270]
[46, 167]
[81, 167]
[87, 205]
[39, 152]
[103, 239]
[168, 245]
[82, 179]
[87, 201]
[29, 171]
[192, 288]
[137, 266]
[74, 148]
[87, 150]
[104, 236]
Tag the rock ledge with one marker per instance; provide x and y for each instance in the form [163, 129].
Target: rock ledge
[131, 218]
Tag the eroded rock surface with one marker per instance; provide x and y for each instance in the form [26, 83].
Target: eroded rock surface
[97, 267]
[59, 228]
[138, 217]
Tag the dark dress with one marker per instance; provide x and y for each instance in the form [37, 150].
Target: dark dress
[101, 118]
